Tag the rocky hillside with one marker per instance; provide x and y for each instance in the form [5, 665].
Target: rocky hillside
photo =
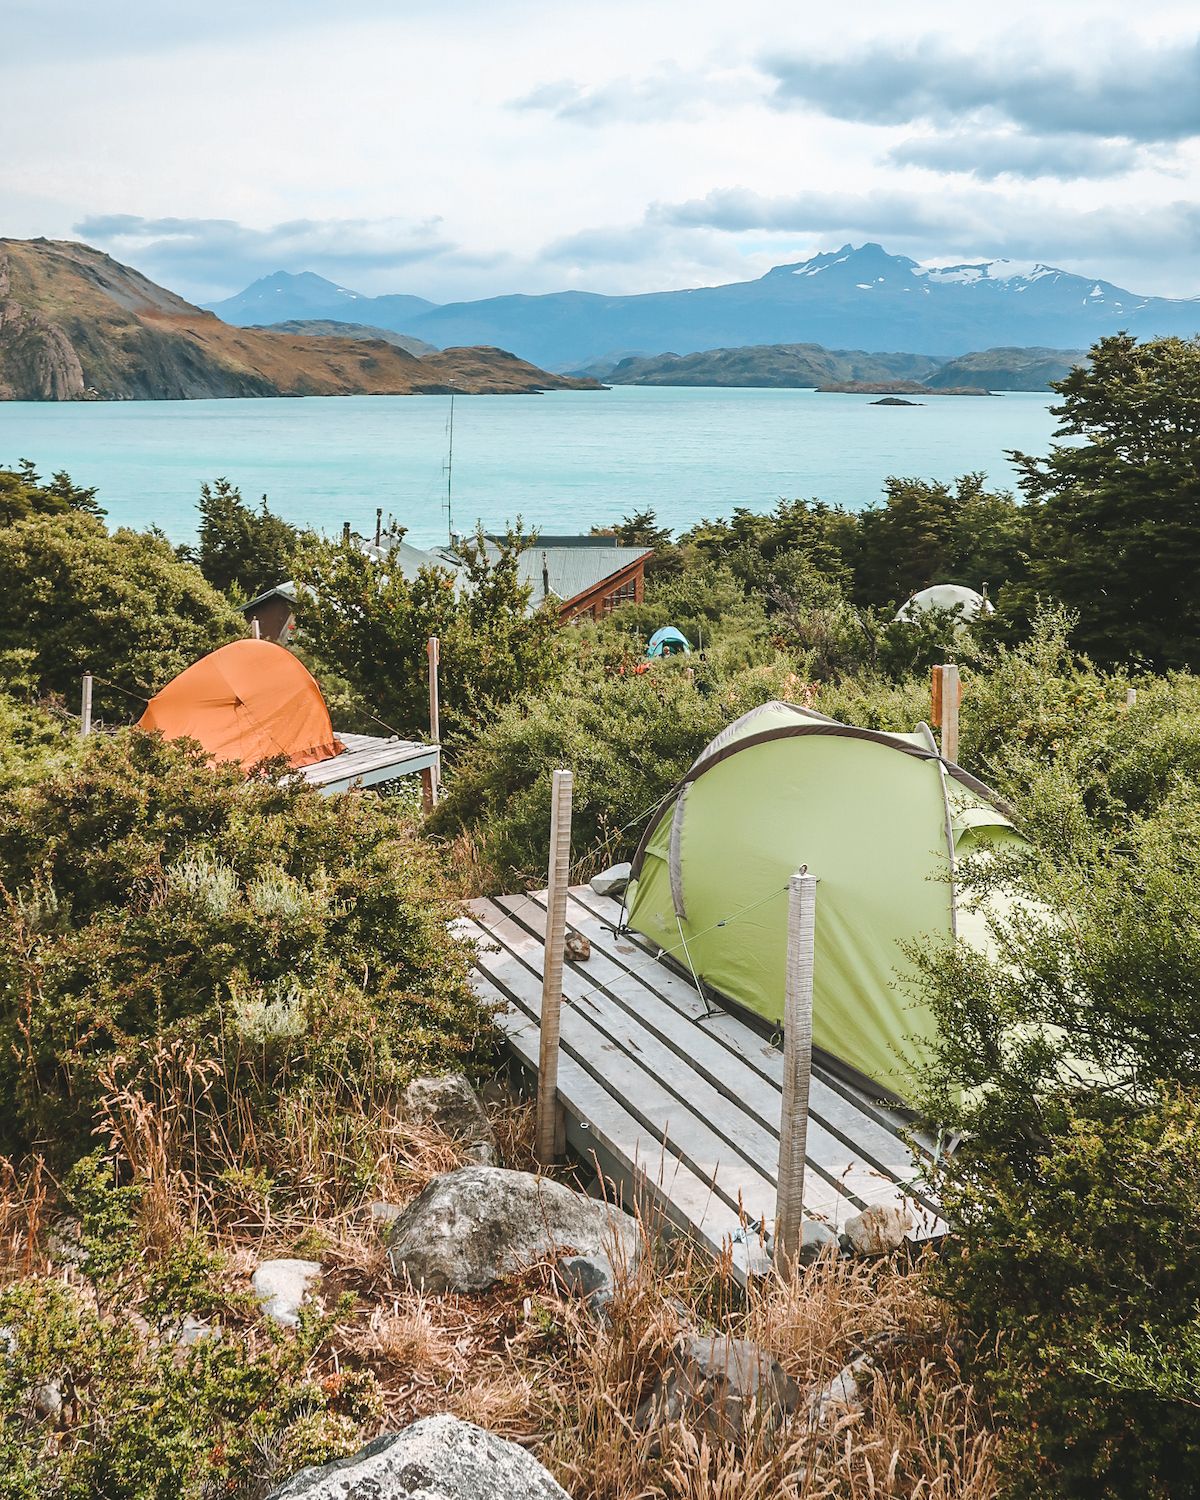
[76, 325]
[780, 365]
[803, 365]
[1008, 369]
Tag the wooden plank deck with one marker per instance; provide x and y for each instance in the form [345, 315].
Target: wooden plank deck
[677, 1104]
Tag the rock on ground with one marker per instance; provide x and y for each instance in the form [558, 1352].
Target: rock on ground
[452, 1105]
[471, 1228]
[722, 1385]
[281, 1286]
[438, 1458]
[817, 1239]
[842, 1395]
[878, 1230]
[611, 882]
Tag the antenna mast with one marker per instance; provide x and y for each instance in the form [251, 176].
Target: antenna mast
[450, 474]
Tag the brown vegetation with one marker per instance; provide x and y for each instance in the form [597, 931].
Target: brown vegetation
[526, 1361]
[74, 324]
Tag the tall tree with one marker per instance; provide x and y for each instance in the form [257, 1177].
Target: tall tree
[367, 622]
[1117, 510]
[23, 492]
[241, 550]
[926, 532]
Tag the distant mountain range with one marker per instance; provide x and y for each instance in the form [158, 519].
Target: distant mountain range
[331, 328]
[852, 298]
[77, 325]
[807, 365]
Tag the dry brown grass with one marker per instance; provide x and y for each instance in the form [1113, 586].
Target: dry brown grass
[527, 1361]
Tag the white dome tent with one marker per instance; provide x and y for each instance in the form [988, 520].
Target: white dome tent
[967, 602]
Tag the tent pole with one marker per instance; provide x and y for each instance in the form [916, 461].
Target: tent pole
[546, 1147]
[951, 695]
[435, 721]
[797, 1066]
[85, 706]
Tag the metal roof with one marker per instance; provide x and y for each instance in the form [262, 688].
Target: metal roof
[572, 570]
[575, 565]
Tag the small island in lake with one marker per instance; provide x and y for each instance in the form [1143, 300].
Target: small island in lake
[895, 401]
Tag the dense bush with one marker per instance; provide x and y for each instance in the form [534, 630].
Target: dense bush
[143, 1416]
[626, 738]
[369, 624]
[923, 533]
[1070, 1061]
[33, 742]
[75, 598]
[151, 898]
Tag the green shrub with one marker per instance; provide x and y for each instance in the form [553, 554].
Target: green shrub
[154, 899]
[140, 1416]
[627, 739]
[367, 623]
[33, 742]
[1070, 1061]
[75, 598]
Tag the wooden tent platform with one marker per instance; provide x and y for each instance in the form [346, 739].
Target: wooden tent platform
[676, 1103]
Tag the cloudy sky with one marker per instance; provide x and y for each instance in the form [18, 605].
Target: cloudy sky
[460, 148]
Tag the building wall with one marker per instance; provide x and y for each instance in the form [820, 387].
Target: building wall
[626, 587]
[275, 619]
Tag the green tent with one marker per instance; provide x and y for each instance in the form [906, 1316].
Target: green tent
[881, 821]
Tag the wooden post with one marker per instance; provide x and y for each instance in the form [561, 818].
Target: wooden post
[951, 697]
[433, 650]
[255, 630]
[559, 872]
[378, 524]
[797, 1066]
[85, 710]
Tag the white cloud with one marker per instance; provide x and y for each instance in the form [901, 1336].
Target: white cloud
[378, 143]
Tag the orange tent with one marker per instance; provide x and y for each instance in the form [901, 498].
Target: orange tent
[250, 701]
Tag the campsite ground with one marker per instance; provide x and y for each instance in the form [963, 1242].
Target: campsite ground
[215, 988]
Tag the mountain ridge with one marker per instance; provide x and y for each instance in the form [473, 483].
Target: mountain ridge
[75, 324]
[809, 366]
[857, 297]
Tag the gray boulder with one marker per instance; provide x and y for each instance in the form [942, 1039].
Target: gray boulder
[281, 1287]
[471, 1228]
[449, 1103]
[879, 1229]
[611, 882]
[722, 1385]
[438, 1458]
[590, 1278]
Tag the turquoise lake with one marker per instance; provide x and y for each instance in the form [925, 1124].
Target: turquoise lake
[563, 462]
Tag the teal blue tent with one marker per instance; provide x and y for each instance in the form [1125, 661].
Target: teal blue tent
[668, 642]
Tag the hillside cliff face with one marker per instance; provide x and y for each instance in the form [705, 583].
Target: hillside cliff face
[76, 324]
